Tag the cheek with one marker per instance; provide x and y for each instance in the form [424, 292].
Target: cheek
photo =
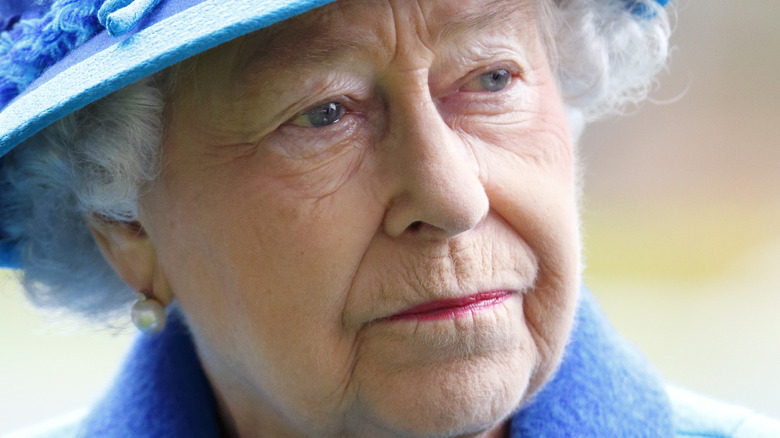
[529, 176]
[266, 278]
[529, 166]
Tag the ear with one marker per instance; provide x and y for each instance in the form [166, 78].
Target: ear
[128, 249]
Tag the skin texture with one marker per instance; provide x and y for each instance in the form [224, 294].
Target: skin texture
[287, 246]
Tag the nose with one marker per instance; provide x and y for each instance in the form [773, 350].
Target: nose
[436, 189]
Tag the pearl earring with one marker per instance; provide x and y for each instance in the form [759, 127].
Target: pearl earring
[148, 314]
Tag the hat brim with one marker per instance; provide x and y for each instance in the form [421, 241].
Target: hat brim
[173, 32]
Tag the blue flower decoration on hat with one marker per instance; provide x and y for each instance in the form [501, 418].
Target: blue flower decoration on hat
[119, 16]
[31, 45]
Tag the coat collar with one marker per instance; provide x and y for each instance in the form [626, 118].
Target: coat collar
[160, 391]
[603, 387]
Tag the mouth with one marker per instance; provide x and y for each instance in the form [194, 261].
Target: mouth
[451, 308]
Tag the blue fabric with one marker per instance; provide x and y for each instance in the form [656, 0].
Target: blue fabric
[603, 388]
[119, 16]
[33, 45]
[639, 9]
[12, 11]
[161, 391]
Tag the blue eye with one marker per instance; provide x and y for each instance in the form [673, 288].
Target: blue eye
[492, 81]
[495, 80]
[320, 116]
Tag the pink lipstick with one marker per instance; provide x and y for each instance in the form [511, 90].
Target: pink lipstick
[451, 308]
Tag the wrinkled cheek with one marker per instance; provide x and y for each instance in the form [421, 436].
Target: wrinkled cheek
[531, 183]
[540, 149]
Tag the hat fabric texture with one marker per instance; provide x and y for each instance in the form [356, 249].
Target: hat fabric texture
[57, 56]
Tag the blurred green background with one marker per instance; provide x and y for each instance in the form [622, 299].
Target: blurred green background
[681, 214]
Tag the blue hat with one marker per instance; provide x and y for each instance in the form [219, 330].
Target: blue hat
[57, 56]
[81, 50]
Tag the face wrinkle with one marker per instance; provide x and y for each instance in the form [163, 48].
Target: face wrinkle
[369, 273]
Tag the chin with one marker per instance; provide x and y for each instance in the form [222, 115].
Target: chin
[463, 398]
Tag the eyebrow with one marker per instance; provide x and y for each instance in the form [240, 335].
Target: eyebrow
[501, 13]
[281, 50]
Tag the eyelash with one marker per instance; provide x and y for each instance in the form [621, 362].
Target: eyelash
[344, 109]
[512, 68]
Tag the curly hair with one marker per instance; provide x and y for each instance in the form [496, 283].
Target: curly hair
[93, 162]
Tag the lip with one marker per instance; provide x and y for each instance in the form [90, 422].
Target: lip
[451, 308]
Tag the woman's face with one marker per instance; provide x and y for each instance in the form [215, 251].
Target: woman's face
[326, 177]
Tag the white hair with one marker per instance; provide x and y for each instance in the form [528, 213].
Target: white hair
[608, 58]
[92, 163]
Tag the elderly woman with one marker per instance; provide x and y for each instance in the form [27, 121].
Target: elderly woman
[359, 218]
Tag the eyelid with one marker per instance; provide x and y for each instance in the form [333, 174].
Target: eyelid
[303, 143]
[512, 67]
[330, 85]
[303, 115]
[346, 103]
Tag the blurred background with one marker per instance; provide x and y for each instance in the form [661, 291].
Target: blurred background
[682, 208]
[682, 243]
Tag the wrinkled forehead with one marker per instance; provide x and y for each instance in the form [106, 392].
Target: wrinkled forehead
[345, 29]
[433, 21]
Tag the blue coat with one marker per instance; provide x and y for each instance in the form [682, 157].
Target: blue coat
[603, 388]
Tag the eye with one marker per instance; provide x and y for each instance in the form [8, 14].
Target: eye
[320, 116]
[492, 81]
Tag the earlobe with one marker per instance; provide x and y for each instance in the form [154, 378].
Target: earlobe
[131, 253]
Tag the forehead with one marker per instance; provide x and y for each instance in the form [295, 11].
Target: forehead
[359, 36]
[435, 17]
[372, 27]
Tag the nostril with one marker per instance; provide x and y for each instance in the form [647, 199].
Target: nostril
[415, 226]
